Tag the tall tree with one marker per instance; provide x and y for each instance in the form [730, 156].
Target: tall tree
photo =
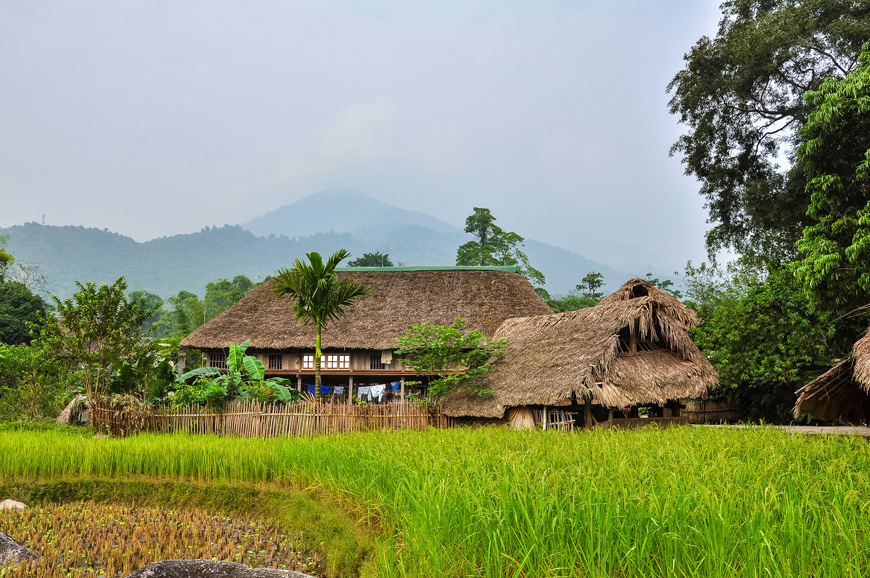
[319, 296]
[495, 247]
[590, 284]
[741, 97]
[99, 331]
[836, 157]
[376, 259]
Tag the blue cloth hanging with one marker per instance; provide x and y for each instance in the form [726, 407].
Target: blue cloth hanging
[396, 385]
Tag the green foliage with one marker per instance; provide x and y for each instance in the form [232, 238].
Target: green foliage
[243, 379]
[665, 285]
[590, 284]
[32, 383]
[100, 331]
[835, 156]
[459, 357]
[376, 259]
[186, 315]
[495, 247]
[764, 341]
[222, 294]
[158, 325]
[211, 392]
[19, 308]
[741, 98]
[318, 296]
[570, 303]
[6, 259]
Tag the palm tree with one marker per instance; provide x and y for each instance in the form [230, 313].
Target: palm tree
[318, 296]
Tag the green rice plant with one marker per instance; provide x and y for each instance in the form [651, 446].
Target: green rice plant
[684, 502]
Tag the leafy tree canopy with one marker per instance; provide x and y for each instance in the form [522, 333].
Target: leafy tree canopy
[222, 294]
[458, 357]
[836, 158]
[99, 332]
[741, 98]
[590, 284]
[376, 259]
[186, 313]
[18, 308]
[760, 334]
[495, 247]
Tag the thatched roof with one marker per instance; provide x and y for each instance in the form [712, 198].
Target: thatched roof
[399, 298]
[583, 354]
[843, 392]
[667, 304]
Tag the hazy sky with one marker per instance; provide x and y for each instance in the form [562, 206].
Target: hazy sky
[152, 118]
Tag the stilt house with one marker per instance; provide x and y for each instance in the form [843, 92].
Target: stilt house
[358, 349]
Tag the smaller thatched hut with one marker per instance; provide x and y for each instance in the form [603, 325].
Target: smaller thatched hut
[631, 349]
[843, 392]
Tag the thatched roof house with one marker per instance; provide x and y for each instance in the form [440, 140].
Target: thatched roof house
[630, 349]
[363, 340]
[843, 392]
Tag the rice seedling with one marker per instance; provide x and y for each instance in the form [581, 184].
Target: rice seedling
[684, 502]
[90, 539]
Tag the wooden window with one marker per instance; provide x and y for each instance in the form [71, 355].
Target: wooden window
[308, 362]
[337, 361]
[376, 361]
[218, 360]
[276, 361]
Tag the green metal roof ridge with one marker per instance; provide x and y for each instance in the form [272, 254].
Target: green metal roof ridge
[511, 268]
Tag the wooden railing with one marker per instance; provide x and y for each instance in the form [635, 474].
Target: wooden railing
[252, 419]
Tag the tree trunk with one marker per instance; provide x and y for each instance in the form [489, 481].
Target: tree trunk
[317, 356]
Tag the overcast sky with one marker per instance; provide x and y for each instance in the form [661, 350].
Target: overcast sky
[152, 118]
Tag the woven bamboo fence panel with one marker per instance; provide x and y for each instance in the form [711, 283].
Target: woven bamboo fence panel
[253, 419]
[711, 411]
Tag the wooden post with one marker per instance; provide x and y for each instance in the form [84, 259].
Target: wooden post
[609, 417]
[299, 382]
[402, 391]
[587, 413]
[350, 390]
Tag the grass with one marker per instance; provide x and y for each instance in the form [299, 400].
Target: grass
[699, 502]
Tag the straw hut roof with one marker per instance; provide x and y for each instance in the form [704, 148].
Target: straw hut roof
[583, 354]
[843, 392]
[666, 303]
[399, 298]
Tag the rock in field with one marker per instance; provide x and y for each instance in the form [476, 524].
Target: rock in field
[12, 551]
[208, 569]
[12, 505]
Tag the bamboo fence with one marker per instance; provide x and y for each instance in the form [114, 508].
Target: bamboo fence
[253, 419]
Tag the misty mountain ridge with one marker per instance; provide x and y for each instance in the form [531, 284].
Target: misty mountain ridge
[260, 247]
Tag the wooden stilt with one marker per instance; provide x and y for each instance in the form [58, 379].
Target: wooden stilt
[350, 390]
[587, 413]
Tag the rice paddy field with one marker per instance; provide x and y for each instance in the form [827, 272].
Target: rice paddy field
[111, 540]
[683, 502]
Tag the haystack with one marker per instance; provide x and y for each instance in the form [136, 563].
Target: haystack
[843, 392]
[399, 298]
[630, 349]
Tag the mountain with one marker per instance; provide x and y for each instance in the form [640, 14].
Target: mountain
[412, 237]
[341, 211]
[330, 220]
